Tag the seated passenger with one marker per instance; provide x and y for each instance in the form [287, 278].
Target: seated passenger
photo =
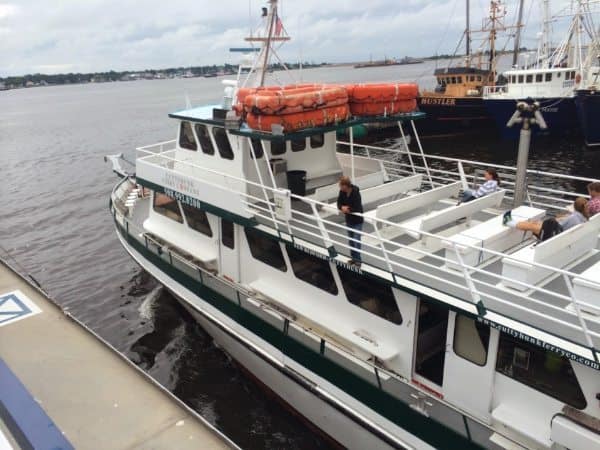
[492, 181]
[546, 229]
[594, 203]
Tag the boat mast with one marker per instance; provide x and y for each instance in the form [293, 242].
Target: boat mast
[468, 34]
[545, 41]
[518, 35]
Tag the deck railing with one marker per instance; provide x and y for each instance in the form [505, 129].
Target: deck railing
[478, 285]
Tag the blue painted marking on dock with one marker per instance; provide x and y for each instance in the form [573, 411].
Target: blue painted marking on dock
[27, 421]
[15, 306]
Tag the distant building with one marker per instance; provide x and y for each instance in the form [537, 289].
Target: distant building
[3, 87]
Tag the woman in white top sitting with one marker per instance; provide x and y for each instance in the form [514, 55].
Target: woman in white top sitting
[492, 181]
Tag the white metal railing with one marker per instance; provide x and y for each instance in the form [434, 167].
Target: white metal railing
[494, 90]
[383, 253]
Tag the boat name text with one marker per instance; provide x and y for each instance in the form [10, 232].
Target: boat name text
[438, 101]
[180, 183]
[184, 198]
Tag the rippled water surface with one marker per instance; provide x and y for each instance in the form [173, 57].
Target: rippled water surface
[55, 221]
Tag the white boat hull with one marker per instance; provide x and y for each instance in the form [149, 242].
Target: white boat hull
[331, 420]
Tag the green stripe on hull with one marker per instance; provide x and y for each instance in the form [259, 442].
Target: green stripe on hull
[381, 402]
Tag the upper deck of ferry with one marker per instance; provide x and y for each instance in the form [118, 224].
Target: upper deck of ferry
[415, 235]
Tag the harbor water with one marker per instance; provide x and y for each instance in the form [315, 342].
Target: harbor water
[55, 222]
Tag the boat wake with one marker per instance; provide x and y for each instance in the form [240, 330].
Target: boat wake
[146, 309]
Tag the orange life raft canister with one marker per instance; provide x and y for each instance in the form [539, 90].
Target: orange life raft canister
[299, 121]
[381, 92]
[297, 100]
[383, 108]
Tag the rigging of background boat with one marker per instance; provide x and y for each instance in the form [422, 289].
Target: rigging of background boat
[455, 332]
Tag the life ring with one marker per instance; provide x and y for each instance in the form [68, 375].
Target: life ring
[381, 92]
[383, 108]
[292, 101]
[577, 78]
[299, 121]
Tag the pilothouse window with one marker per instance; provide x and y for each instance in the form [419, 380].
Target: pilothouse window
[227, 236]
[265, 250]
[313, 270]
[471, 339]
[205, 142]
[317, 140]
[167, 206]
[223, 144]
[370, 295]
[298, 144]
[549, 77]
[542, 370]
[186, 137]
[256, 148]
[196, 219]
[277, 147]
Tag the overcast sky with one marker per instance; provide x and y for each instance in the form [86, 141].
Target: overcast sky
[97, 35]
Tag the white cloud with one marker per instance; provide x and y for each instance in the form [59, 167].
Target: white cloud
[97, 35]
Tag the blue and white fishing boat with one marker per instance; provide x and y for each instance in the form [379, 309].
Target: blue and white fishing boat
[587, 97]
[551, 80]
[455, 332]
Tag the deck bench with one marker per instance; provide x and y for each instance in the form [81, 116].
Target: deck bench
[559, 251]
[587, 289]
[344, 332]
[330, 191]
[490, 235]
[438, 219]
[513, 417]
[322, 177]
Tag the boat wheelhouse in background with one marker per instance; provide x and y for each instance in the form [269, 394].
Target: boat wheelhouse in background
[551, 80]
[456, 104]
[455, 332]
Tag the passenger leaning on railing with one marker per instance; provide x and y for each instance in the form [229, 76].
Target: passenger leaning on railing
[594, 203]
[349, 201]
[492, 181]
[551, 226]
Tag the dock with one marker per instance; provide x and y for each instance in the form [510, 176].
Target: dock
[62, 386]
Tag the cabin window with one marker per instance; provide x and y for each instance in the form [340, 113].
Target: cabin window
[529, 78]
[459, 80]
[313, 270]
[370, 295]
[558, 74]
[227, 236]
[204, 138]
[277, 147]
[540, 369]
[265, 250]
[539, 78]
[549, 77]
[256, 148]
[472, 78]
[196, 219]
[471, 339]
[521, 78]
[453, 80]
[317, 140]
[167, 206]
[186, 137]
[478, 77]
[298, 144]
[573, 75]
[567, 75]
[223, 143]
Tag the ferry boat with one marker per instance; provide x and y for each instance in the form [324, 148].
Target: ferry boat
[551, 81]
[454, 332]
[456, 104]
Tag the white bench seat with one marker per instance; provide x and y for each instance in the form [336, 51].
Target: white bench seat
[559, 251]
[343, 331]
[491, 235]
[446, 216]
[330, 191]
[317, 178]
[523, 423]
[587, 289]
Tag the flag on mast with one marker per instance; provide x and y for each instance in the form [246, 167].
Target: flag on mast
[278, 26]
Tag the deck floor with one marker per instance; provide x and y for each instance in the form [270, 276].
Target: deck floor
[95, 396]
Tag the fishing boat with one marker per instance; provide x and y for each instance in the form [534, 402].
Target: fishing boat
[587, 97]
[551, 80]
[455, 331]
[456, 104]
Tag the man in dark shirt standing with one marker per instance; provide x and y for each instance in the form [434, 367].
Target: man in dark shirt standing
[349, 202]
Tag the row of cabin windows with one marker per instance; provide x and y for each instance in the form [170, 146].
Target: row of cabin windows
[188, 141]
[279, 148]
[543, 370]
[458, 80]
[370, 295]
[538, 368]
[540, 77]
